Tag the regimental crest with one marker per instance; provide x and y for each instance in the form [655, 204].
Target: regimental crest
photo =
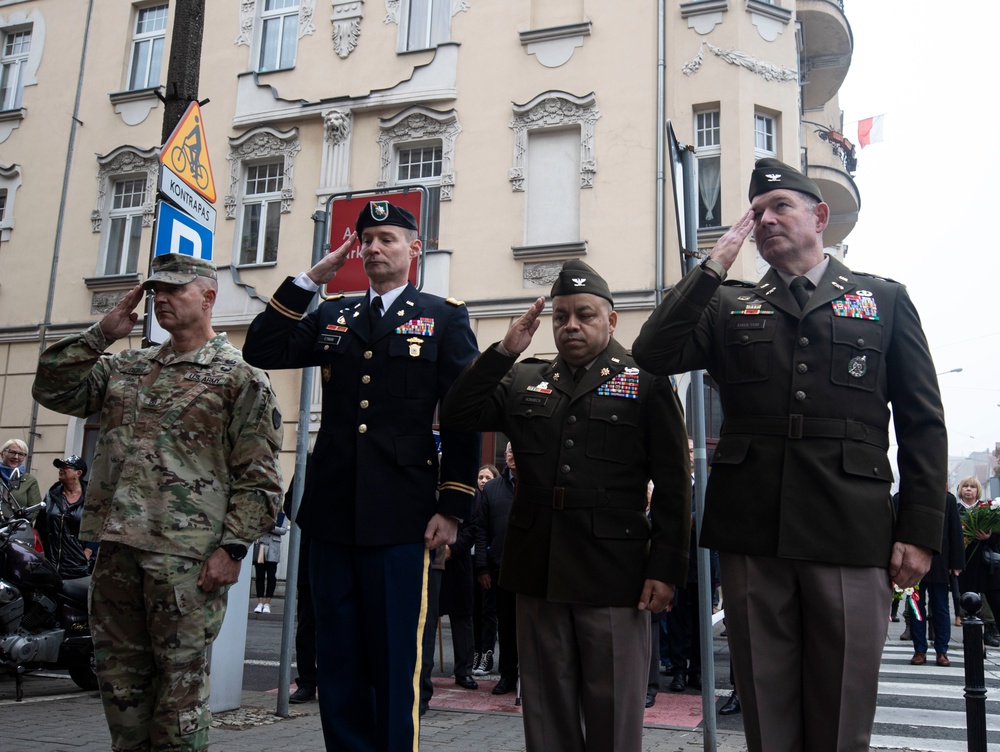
[773, 177]
[579, 281]
[379, 210]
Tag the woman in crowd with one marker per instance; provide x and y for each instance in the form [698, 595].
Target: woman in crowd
[484, 615]
[13, 453]
[59, 521]
[266, 555]
[980, 575]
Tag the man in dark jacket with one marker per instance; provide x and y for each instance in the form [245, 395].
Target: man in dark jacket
[589, 429]
[807, 363]
[935, 588]
[494, 508]
[374, 502]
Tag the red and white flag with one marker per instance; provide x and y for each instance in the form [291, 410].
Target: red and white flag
[870, 130]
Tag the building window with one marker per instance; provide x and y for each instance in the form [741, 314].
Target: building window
[552, 187]
[147, 47]
[421, 165]
[279, 31]
[13, 61]
[708, 150]
[124, 236]
[764, 136]
[3, 205]
[261, 213]
[424, 24]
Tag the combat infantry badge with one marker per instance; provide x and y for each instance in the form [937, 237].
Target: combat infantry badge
[858, 366]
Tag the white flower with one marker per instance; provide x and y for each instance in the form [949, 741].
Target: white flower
[995, 504]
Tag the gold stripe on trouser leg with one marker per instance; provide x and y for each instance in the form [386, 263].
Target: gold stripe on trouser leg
[420, 651]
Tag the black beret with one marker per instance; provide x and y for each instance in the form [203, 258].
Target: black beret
[770, 175]
[383, 213]
[576, 277]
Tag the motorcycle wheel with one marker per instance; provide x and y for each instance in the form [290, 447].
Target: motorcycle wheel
[81, 671]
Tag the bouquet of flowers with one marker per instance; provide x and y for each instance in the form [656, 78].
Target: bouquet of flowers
[984, 517]
[909, 596]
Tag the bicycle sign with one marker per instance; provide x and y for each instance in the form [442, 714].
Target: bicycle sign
[186, 153]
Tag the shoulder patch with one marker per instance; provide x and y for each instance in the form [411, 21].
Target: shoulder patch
[454, 302]
[738, 283]
[535, 361]
[874, 276]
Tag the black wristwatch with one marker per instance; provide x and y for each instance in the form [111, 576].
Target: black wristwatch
[237, 551]
[715, 266]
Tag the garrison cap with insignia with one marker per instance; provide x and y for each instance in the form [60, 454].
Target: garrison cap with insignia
[771, 175]
[377, 213]
[179, 269]
[576, 277]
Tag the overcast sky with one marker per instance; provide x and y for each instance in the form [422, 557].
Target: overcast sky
[930, 199]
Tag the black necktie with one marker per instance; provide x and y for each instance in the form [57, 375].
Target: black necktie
[800, 287]
[376, 309]
[578, 374]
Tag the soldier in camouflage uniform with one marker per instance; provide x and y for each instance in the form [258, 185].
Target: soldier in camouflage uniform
[185, 478]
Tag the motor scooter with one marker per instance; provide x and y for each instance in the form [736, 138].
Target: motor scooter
[43, 618]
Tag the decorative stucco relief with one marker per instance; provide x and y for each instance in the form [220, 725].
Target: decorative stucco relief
[126, 160]
[346, 21]
[262, 143]
[420, 124]
[554, 109]
[392, 8]
[769, 71]
[249, 16]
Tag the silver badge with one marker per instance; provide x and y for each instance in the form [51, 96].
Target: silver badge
[858, 366]
[865, 293]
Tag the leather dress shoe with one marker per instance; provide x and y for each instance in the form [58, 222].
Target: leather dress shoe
[677, 683]
[942, 659]
[504, 686]
[919, 659]
[732, 705]
[650, 699]
[303, 694]
[694, 681]
[466, 682]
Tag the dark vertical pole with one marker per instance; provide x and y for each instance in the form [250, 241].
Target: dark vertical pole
[975, 678]
[184, 69]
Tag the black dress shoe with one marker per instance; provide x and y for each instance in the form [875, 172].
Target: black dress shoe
[504, 686]
[732, 705]
[303, 694]
[650, 699]
[466, 682]
[677, 683]
[694, 681]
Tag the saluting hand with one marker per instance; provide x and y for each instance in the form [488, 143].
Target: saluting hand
[727, 248]
[118, 322]
[519, 335]
[326, 269]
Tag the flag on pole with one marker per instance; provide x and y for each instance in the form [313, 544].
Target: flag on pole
[870, 130]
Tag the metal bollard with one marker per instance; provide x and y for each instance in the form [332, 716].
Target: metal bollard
[975, 676]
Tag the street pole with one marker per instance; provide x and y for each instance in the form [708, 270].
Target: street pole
[184, 69]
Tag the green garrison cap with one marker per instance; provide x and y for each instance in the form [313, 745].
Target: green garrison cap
[771, 175]
[576, 277]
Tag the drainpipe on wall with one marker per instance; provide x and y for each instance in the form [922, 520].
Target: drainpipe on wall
[47, 321]
[661, 135]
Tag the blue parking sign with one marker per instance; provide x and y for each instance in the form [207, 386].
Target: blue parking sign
[178, 233]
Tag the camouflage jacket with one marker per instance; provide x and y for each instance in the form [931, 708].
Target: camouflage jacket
[187, 456]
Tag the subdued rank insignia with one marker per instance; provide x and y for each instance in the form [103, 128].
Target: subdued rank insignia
[625, 384]
[856, 307]
[857, 366]
[422, 326]
[341, 320]
[543, 387]
[605, 372]
[415, 343]
[327, 372]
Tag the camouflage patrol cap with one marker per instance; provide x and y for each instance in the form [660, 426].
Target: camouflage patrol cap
[178, 269]
[771, 175]
[383, 213]
[577, 277]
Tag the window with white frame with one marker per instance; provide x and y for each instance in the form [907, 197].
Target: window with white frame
[708, 150]
[420, 164]
[764, 136]
[261, 213]
[148, 38]
[3, 205]
[552, 186]
[424, 24]
[279, 31]
[124, 227]
[13, 61]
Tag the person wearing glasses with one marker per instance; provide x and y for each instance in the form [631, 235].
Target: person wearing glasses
[12, 456]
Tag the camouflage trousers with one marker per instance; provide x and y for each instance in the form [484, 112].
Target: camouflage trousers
[152, 626]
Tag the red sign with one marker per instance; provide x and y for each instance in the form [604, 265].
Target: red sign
[351, 278]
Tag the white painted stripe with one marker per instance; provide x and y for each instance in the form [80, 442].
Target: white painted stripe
[919, 745]
[926, 718]
[250, 662]
[922, 689]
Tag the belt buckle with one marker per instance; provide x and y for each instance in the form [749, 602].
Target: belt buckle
[795, 426]
[558, 497]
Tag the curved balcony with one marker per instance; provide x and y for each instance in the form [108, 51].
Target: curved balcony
[825, 55]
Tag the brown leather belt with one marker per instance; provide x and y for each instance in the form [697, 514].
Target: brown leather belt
[800, 427]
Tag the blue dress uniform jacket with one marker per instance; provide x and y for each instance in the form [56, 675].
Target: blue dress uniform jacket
[801, 469]
[373, 476]
[577, 531]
